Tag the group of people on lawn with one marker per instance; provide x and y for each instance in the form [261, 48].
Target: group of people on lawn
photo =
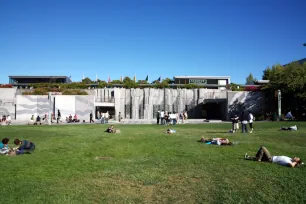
[262, 155]
[40, 121]
[170, 118]
[22, 147]
[245, 119]
[5, 120]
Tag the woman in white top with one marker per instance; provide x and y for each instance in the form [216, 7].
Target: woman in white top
[251, 120]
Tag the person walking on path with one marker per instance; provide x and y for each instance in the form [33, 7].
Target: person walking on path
[90, 118]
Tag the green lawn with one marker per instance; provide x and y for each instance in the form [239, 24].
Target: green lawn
[149, 166]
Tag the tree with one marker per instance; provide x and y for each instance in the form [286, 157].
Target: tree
[167, 80]
[127, 80]
[117, 82]
[87, 81]
[250, 80]
[142, 82]
[291, 80]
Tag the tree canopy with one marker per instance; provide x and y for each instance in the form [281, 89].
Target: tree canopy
[291, 80]
[250, 80]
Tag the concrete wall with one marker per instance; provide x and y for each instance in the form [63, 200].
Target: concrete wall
[7, 101]
[144, 103]
[239, 101]
[28, 105]
[132, 103]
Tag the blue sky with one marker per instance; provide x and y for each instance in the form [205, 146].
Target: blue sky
[156, 37]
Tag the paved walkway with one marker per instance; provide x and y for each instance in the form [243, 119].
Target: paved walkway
[125, 121]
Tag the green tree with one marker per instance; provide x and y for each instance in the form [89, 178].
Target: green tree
[291, 80]
[167, 80]
[127, 80]
[87, 81]
[117, 82]
[250, 80]
[142, 82]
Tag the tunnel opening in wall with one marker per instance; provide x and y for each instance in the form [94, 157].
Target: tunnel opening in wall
[104, 109]
[214, 109]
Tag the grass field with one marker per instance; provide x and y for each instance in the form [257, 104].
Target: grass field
[149, 166]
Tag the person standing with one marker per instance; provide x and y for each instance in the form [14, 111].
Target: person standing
[90, 118]
[58, 116]
[98, 115]
[162, 117]
[157, 117]
[244, 121]
[251, 120]
[119, 116]
[106, 117]
[235, 124]
[102, 118]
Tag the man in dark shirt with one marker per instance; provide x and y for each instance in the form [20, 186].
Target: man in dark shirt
[90, 118]
[244, 121]
[37, 121]
[235, 125]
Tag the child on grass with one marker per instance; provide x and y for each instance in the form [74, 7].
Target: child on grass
[25, 146]
[4, 149]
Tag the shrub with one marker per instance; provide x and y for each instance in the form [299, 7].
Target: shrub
[6, 86]
[74, 92]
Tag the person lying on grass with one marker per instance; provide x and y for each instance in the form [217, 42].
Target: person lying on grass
[25, 146]
[170, 131]
[111, 129]
[4, 148]
[292, 128]
[264, 155]
[216, 141]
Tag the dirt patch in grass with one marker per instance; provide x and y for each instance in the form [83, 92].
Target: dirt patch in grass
[103, 158]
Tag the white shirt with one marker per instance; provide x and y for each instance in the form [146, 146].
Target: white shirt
[8, 118]
[282, 160]
[251, 118]
[106, 115]
[162, 114]
[293, 127]
[103, 115]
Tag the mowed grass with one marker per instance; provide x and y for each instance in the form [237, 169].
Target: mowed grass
[149, 166]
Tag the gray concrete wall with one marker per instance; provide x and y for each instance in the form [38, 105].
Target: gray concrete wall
[7, 101]
[28, 105]
[239, 101]
[132, 103]
[144, 103]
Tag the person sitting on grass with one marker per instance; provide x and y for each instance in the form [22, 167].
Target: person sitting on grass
[37, 121]
[4, 148]
[111, 129]
[264, 155]
[8, 120]
[75, 119]
[24, 146]
[216, 141]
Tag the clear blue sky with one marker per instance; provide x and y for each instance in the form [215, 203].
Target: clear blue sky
[154, 37]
